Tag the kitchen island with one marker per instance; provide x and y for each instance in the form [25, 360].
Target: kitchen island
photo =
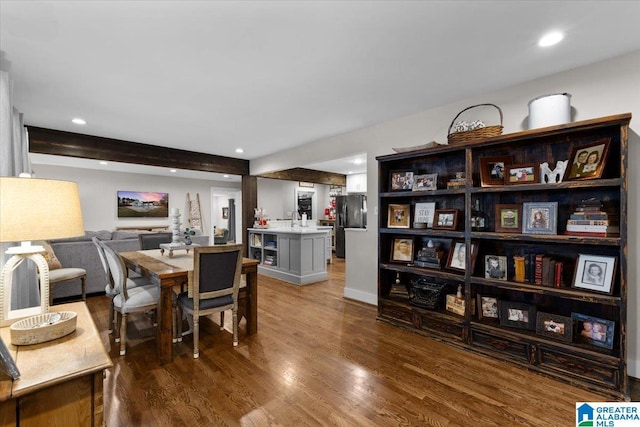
[294, 254]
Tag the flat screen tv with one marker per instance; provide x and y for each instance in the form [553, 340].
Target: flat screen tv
[142, 204]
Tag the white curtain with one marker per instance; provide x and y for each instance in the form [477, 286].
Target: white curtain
[14, 160]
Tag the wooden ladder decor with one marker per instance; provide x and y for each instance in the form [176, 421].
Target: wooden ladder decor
[195, 214]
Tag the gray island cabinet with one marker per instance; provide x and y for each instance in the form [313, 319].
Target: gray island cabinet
[296, 255]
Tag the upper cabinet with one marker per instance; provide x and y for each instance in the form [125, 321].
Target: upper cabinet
[357, 183]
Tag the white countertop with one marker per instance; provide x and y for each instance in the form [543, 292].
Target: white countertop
[291, 230]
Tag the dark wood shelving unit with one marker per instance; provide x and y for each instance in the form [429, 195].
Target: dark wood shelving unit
[575, 361]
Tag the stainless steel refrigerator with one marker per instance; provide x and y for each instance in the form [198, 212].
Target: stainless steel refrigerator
[351, 212]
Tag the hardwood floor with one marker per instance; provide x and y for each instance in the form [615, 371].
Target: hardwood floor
[321, 359]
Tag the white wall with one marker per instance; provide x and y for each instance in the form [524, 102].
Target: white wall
[601, 89]
[98, 194]
[277, 197]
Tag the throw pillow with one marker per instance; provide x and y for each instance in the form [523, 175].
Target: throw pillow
[52, 260]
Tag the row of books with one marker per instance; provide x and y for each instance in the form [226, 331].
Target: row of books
[589, 219]
[539, 269]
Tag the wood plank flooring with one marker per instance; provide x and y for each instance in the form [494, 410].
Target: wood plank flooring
[321, 359]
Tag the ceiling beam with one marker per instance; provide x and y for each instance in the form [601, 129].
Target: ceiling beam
[61, 143]
[308, 175]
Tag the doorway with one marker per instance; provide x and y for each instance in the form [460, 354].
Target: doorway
[226, 213]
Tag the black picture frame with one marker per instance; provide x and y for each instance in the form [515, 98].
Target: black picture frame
[488, 307]
[575, 169]
[517, 315]
[600, 332]
[554, 326]
[401, 180]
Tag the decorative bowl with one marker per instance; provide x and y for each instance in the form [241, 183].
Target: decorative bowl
[43, 327]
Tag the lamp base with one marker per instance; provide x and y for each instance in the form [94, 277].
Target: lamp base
[7, 315]
[24, 248]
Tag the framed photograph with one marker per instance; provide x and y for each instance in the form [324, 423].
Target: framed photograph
[517, 315]
[402, 249]
[595, 273]
[446, 219]
[540, 218]
[508, 218]
[305, 184]
[399, 216]
[522, 174]
[142, 204]
[594, 331]
[554, 326]
[487, 307]
[425, 182]
[225, 213]
[495, 267]
[588, 161]
[401, 180]
[458, 253]
[492, 170]
[424, 213]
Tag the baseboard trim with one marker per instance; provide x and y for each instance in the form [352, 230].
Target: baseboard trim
[357, 295]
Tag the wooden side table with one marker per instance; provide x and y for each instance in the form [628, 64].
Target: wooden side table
[61, 381]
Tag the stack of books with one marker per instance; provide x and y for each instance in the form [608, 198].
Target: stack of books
[590, 219]
[270, 260]
[539, 269]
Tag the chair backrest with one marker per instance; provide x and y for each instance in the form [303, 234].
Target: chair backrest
[117, 269]
[153, 240]
[105, 266]
[216, 271]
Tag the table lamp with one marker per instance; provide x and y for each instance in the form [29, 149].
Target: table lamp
[34, 209]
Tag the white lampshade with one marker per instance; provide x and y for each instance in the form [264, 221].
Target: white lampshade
[39, 209]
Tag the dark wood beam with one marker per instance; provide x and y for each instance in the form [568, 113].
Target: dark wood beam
[308, 175]
[61, 143]
[249, 203]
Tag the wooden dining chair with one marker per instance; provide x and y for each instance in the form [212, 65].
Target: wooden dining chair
[216, 281]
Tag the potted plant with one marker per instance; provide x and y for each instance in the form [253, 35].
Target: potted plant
[188, 232]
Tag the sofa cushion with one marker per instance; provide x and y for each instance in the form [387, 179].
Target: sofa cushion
[122, 235]
[102, 235]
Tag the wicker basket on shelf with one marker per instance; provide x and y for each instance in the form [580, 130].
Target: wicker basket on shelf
[475, 134]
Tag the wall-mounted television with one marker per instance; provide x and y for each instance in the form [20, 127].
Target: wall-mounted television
[142, 204]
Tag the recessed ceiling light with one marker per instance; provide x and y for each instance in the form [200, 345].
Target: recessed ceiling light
[225, 176]
[349, 173]
[78, 121]
[104, 163]
[357, 161]
[550, 39]
[239, 150]
[173, 170]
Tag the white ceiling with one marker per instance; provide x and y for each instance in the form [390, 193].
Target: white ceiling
[211, 76]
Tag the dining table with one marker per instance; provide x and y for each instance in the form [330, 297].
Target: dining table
[169, 272]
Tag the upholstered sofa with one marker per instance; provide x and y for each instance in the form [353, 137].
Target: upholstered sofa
[80, 252]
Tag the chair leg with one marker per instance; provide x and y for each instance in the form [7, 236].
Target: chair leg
[112, 319]
[83, 284]
[196, 335]
[116, 326]
[190, 322]
[222, 320]
[235, 326]
[123, 334]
